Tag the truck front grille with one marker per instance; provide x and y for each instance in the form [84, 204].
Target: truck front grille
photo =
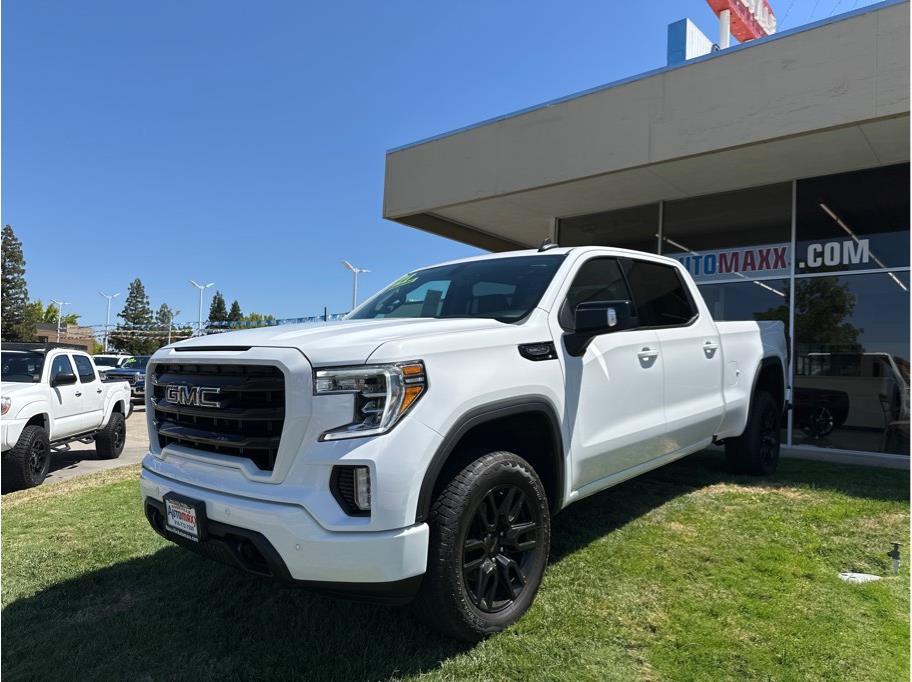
[235, 410]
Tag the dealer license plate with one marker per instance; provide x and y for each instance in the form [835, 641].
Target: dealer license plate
[183, 517]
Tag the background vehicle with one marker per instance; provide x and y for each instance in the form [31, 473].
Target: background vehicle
[420, 446]
[133, 371]
[52, 396]
[105, 361]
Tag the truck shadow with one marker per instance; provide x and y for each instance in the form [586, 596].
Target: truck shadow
[602, 513]
[158, 615]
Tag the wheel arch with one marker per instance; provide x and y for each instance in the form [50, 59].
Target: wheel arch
[770, 377]
[40, 419]
[519, 425]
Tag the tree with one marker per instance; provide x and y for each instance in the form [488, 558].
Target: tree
[165, 329]
[235, 314]
[48, 315]
[165, 316]
[18, 322]
[823, 313]
[258, 320]
[217, 310]
[133, 335]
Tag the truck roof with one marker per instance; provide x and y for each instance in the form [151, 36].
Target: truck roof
[40, 347]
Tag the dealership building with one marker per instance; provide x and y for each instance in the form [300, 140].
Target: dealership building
[776, 171]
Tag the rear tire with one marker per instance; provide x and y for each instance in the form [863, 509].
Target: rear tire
[109, 442]
[490, 534]
[26, 465]
[756, 451]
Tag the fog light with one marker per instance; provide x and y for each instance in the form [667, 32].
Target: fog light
[351, 486]
[362, 488]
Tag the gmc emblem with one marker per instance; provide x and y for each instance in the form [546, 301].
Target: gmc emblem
[196, 396]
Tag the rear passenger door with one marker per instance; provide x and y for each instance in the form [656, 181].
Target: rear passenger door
[690, 347]
[613, 395]
[92, 398]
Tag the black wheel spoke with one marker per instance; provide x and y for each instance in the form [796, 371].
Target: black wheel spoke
[486, 585]
[512, 575]
[501, 541]
[511, 505]
[487, 512]
[513, 537]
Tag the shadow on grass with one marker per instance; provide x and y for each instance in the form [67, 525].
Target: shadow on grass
[604, 512]
[176, 615]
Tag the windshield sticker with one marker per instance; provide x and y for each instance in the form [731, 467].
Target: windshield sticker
[405, 279]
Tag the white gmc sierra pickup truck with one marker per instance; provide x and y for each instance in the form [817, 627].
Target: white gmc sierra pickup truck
[52, 396]
[418, 448]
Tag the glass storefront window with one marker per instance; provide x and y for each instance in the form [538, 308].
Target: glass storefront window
[851, 331]
[851, 385]
[736, 235]
[764, 300]
[853, 221]
[629, 228]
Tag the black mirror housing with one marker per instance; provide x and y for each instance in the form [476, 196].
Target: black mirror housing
[600, 317]
[63, 379]
[594, 318]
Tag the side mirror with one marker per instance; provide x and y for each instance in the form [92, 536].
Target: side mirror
[594, 318]
[63, 379]
[601, 317]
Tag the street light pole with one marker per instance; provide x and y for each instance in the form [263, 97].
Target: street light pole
[60, 305]
[170, 323]
[355, 271]
[201, 287]
[108, 318]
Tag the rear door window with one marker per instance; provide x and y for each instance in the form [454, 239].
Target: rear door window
[84, 369]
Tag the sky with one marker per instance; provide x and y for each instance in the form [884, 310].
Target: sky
[243, 143]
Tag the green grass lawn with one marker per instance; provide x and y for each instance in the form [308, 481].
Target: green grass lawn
[687, 573]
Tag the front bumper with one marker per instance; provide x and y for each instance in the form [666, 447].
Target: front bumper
[10, 430]
[289, 544]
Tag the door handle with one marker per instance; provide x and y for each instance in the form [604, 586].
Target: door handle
[78, 393]
[709, 345]
[98, 390]
[648, 354]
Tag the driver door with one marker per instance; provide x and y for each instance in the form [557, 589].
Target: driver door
[614, 391]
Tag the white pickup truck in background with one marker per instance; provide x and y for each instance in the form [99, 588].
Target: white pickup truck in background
[52, 396]
[420, 446]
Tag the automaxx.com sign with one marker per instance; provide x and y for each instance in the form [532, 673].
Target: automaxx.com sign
[771, 260]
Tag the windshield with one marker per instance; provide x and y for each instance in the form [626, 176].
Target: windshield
[135, 363]
[23, 368]
[504, 289]
[105, 361]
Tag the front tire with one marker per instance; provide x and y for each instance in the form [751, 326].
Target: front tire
[26, 465]
[109, 442]
[490, 534]
[756, 451]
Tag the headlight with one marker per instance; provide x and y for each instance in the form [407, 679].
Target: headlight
[383, 394]
[4, 405]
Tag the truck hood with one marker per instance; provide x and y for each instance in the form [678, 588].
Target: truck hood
[344, 342]
[11, 388]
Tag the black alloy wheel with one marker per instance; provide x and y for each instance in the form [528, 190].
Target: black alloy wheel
[499, 546]
[820, 423]
[38, 460]
[769, 436]
[490, 530]
[118, 435]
